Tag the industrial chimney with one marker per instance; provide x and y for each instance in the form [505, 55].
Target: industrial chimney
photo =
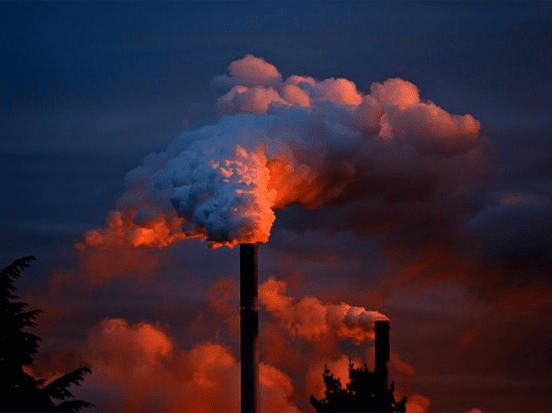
[249, 328]
[381, 371]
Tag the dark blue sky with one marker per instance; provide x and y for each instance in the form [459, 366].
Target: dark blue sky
[88, 89]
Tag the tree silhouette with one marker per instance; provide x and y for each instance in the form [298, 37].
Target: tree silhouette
[364, 393]
[19, 391]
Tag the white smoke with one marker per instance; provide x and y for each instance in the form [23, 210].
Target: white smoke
[297, 140]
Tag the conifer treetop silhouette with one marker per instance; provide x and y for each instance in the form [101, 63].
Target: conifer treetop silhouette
[19, 391]
[364, 393]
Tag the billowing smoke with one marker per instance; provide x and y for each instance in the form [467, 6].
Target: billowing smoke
[142, 367]
[138, 367]
[306, 317]
[282, 142]
[418, 404]
[310, 318]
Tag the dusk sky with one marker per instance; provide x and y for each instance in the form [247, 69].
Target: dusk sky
[387, 156]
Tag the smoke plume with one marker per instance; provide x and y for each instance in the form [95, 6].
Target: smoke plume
[310, 318]
[281, 142]
[138, 367]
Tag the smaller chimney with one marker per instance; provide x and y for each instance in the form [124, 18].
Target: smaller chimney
[381, 371]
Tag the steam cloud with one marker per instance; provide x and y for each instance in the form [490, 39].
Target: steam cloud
[323, 326]
[281, 142]
[310, 318]
[141, 369]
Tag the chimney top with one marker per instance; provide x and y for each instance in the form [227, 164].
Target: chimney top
[382, 325]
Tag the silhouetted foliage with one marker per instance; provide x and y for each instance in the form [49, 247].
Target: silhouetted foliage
[19, 391]
[364, 393]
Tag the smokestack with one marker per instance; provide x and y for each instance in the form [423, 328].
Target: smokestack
[249, 328]
[382, 328]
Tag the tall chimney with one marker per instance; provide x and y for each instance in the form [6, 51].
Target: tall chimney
[382, 328]
[249, 328]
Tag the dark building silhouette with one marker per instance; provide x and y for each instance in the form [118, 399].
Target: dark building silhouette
[366, 391]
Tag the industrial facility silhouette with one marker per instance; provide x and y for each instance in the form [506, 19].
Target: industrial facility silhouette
[366, 391]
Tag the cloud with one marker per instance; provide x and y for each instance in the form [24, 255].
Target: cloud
[119, 250]
[386, 166]
[249, 71]
[396, 92]
[425, 125]
[515, 229]
[254, 100]
[299, 335]
[141, 367]
[294, 141]
[341, 91]
[138, 367]
[311, 319]
[417, 404]
[513, 220]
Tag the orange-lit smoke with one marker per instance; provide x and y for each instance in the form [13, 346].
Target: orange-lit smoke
[417, 403]
[298, 140]
[319, 328]
[139, 368]
[311, 319]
